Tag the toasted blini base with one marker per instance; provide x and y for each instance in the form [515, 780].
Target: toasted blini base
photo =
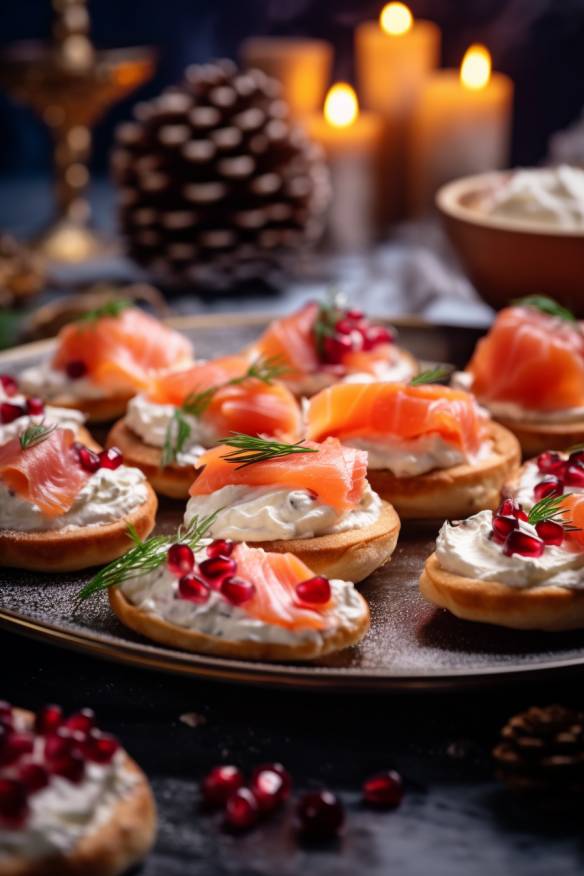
[535, 437]
[351, 555]
[159, 630]
[97, 410]
[170, 480]
[116, 845]
[490, 602]
[78, 548]
[455, 492]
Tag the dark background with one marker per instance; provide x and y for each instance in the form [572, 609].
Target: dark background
[539, 43]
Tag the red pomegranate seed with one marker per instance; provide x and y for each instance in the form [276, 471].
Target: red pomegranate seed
[64, 741]
[220, 783]
[549, 486]
[48, 719]
[193, 589]
[241, 810]
[502, 526]
[88, 460]
[511, 508]
[354, 314]
[8, 384]
[574, 476]
[76, 369]
[111, 458]
[550, 532]
[69, 766]
[267, 786]
[550, 463]
[344, 326]
[14, 746]
[180, 559]
[576, 457]
[237, 591]
[35, 407]
[375, 335]
[320, 815]
[519, 542]
[10, 412]
[281, 770]
[384, 790]
[34, 776]
[100, 747]
[83, 721]
[13, 802]
[336, 348]
[221, 547]
[315, 591]
[216, 569]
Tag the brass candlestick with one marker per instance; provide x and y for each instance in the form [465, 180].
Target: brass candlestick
[70, 84]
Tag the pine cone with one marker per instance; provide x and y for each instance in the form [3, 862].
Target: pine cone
[542, 749]
[215, 185]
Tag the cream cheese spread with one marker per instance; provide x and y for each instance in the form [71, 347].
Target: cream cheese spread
[150, 421]
[416, 457]
[68, 418]
[48, 382]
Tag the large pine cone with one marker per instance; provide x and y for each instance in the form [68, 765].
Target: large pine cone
[542, 749]
[215, 185]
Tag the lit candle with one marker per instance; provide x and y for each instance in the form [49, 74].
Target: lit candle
[350, 140]
[394, 56]
[302, 66]
[461, 126]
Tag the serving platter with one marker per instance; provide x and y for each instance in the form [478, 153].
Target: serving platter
[410, 645]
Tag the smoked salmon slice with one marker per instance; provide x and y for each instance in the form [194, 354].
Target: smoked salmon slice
[121, 352]
[532, 359]
[46, 474]
[336, 474]
[173, 387]
[275, 577]
[399, 411]
[255, 408]
[291, 340]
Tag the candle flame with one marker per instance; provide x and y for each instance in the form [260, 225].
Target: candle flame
[396, 19]
[341, 107]
[475, 70]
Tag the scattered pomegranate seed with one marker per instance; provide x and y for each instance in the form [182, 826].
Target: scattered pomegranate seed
[34, 776]
[76, 369]
[315, 591]
[237, 591]
[216, 569]
[345, 326]
[375, 335]
[576, 458]
[336, 348]
[62, 742]
[35, 407]
[241, 810]
[267, 786]
[8, 384]
[14, 746]
[193, 589]
[519, 542]
[320, 815]
[111, 458]
[384, 790]
[84, 721]
[511, 508]
[69, 766]
[574, 476]
[550, 463]
[180, 559]
[550, 532]
[281, 770]
[10, 412]
[88, 460]
[221, 547]
[13, 802]
[100, 747]
[502, 526]
[48, 719]
[220, 783]
[354, 314]
[549, 486]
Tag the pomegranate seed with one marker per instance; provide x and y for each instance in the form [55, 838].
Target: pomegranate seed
[550, 532]
[35, 407]
[88, 460]
[502, 526]
[83, 721]
[511, 508]
[354, 314]
[384, 790]
[237, 591]
[34, 776]
[241, 810]
[14, 746]
[281, 770]
[13, 802]
[335, 348]
[550, 463]
[574, 476]
[69, 766]
[221, 547]
[111, 458]
[100, 747]
[8, 384]
[10, 412]
[48, 720]
[220, 783]
[180, 559]
[76, 369]
[216, 569]
[193, 589]
[576, 457]
[549, 486]
[376, 335]
[267, 786]
[519, 542]
[320, 815]
[344, 326]
[315, 591]
[64, 741]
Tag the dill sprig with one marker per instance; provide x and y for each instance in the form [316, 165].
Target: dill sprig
[249, 449]
[176, 436]
[432, 375]
[546, 305]
[329, 313]
[145, 556]
[35, 434]
[550, 508]
[267, 370]
[110, 308]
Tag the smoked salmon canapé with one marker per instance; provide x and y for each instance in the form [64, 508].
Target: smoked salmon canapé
[432, 451]
[307, 498]
[323, 343]
[104, 358]
[65, 506]
[550, 474]
[232, 600]
[167, 428]
[529, 372]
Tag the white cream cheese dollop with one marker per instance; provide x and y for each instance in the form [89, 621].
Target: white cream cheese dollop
[267, 513]
[156, 594]
[150, 421]
[416, 457]
[108, 495]
[48, 383]
[68, 418]
[465, 548]
[552, 196]
[386, 372]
